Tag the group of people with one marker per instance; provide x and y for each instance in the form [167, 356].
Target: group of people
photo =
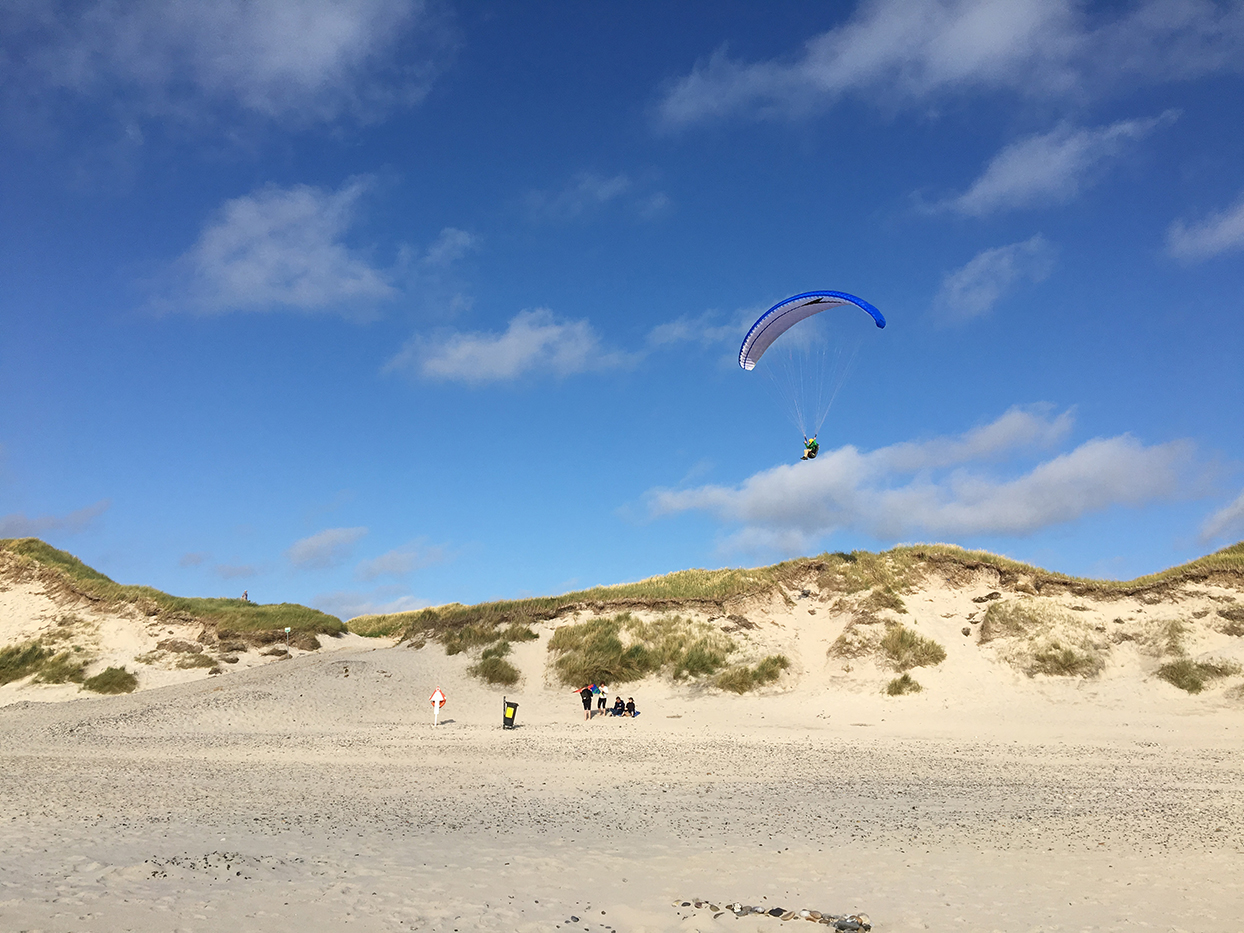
[601, 694]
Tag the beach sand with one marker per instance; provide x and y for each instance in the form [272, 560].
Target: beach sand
[314, 794]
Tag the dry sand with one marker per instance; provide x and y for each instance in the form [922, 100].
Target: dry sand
[314, 794]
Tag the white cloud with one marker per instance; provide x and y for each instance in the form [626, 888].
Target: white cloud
[704, 329]
[281, 248]
[450, 246]
[1227, 522]
[906, 52]
[326, 549]
[1218, 233]
[974, 289]
[588, 191]
[534, 342]
[941, 488]
[1049, 168]
[349, 604]
[400, 562]
[17, 525]
[297, 59]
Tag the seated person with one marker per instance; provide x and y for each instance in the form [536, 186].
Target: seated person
[619, 708]
[810, 448]
[630, 707]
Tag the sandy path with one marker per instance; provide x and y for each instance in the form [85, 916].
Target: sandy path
[296, 797]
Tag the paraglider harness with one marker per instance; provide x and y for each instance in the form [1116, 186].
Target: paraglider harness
[810, 448]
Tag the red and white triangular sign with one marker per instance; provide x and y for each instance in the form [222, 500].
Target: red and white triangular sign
[438, 698]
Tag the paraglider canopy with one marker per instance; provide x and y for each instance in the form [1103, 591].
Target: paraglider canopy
[786, 314]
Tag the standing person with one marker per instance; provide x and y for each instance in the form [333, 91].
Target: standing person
[602, 699]
[586, 696]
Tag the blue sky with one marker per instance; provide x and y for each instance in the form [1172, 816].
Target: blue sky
[375, 304]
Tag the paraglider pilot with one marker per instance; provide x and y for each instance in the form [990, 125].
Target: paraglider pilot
[810, 447]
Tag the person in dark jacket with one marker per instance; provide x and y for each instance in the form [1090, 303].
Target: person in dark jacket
[586, 696]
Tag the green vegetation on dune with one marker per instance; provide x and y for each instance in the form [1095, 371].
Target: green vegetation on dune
[905, 649]
[888, 575]
[902, 685]
[1192, 676]
[112, 680]
[18, 661]
[59, 569]
[622, 648]
[741, 677]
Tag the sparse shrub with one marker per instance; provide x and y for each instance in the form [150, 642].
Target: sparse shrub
[856, 640]
[621, 648]
[1168, 637]
[906, 649]
[901, 685]
[517, 632]
[885, 598]
[499, 650]
[18, 661]
[1011, 618]
[494, 669]
[1233, 621]
[861, 570]
[1058, 660]
[470, 636]
[1192, 676]
[61, 669]
[187, 661]
[112, 680]
[741, 678]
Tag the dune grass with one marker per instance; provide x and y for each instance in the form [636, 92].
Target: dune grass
[1013, 618]
[493, 668]
[1193, 676]
[18, 661]
[888, 574]
[742, 678]
[620, 649]
[905, 649]
[902, 685]
[60, 669]
[1059, 660]
[111, 680]
[59, 568]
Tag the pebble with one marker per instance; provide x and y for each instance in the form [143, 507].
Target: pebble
[848, 922]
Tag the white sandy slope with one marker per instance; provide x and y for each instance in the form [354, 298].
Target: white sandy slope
[109, 637]
[314, 794]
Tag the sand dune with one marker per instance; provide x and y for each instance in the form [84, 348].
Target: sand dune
[313, 793]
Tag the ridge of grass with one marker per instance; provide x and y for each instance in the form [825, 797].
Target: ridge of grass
[60, 569]
[888, 574]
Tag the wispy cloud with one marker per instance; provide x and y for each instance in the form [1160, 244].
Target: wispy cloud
[1227, 522]
[534, 342]
[901, 52]
[706, 329]
[17, 525]
[1221, 232]
[974, 289]
[279, 249]
[400, 562]
[299, 60]
[329, 548]
[943, 487]
[1049, 168]
[349, 604]
[587, 191]
[451, 245]
[193, 559]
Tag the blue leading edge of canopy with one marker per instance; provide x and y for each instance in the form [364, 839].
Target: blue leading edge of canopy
[761, 322]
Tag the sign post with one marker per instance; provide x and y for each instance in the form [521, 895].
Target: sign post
[287, 638]
[438, 700]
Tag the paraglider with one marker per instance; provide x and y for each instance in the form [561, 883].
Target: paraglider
[810, 365]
